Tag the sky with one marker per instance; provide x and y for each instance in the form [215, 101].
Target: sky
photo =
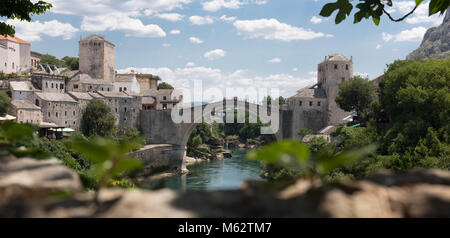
[228, 43]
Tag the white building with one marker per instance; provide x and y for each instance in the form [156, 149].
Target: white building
[15, 56]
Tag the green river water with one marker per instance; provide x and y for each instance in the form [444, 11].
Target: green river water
[225, 174]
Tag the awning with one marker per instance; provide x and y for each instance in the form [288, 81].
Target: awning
[7, 118]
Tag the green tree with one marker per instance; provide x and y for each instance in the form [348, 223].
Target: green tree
[164, 85]
[5, 102]
[51, 61]
[71, 63]
[375, 9]
[97, 119]
[416, 97]
[355, 94]
[20, 10]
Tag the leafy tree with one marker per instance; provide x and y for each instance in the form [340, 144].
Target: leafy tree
[415, 96]
[21, 10]
[355, 94]
[268, 100]
[71, 63]
[5, 102]
[164, 85]
[375, 9]
[97, 119]
[51, 61]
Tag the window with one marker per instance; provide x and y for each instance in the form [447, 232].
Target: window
[48, 114]
[300, 103]
[164, 98]
[65, 113]
[56, 114]
[66, 122]
[13, 65]
[74, 113]
[75, 86]
[346, 66]
[116, 109]
[37, 102]
[125, 89]
[52, 85]
[102, 89]
[61, 86]
[46, 84]
[125, 109]
[90, 86]
[120, 89]
[335, 66]
[318, 104]
[107, 89]
[310, 104]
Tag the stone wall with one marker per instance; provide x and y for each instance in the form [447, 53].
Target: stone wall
[168, 157]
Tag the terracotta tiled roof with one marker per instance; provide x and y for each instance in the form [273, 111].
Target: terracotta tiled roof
[15, 39]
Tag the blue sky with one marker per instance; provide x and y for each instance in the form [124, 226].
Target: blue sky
[227, 43]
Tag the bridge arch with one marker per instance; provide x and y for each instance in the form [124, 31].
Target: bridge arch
[251, 108]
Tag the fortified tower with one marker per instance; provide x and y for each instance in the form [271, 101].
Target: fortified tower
[97, 58]
[334, 70]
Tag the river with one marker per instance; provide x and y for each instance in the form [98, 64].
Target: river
[225, 174]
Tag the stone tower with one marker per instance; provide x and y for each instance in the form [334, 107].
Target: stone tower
[334, 70]
[97, 58]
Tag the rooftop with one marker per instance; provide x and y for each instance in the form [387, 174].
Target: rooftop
[24, 104]
[21, 86]
[14, 39]
[310, 92]
[125, 78]
[80, 95]
[55, 97]
[114, 94]
[86, 79]
[336, 57]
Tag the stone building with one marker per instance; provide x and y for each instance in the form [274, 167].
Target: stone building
[35, 60]
[126, 83]
[14, 55]
[81, 82]
[59, 108]
[122, 108]
[26, 112]
[314, 107]
[97, 58]
[49, 83]
[163, 99]
[21, 90]
[147, 81]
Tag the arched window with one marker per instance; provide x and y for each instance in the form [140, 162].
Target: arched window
[37, 102]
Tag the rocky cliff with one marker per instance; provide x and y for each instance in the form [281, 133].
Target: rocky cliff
[435, 43]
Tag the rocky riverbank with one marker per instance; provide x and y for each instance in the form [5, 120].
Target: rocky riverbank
[31, 188]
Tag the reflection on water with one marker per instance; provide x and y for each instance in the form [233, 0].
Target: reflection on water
[215, 175]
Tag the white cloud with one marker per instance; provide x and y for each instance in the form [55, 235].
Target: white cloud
[195, 40]
[315, 20]
[378, 46]
[32, 31]
[190, 64]
[419, 16]
[227, 19]
[166, 45]
[199, 20]
[272, 29]
[274, 60]
[175, 32]
[174, 17]
[215, 54]
[295, 69]
[122, 22]
[216, 78]
[313, 73]
[118, 15]
[216, 5]
[413, 35]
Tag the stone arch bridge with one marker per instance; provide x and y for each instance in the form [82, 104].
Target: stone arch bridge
[166, 139]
